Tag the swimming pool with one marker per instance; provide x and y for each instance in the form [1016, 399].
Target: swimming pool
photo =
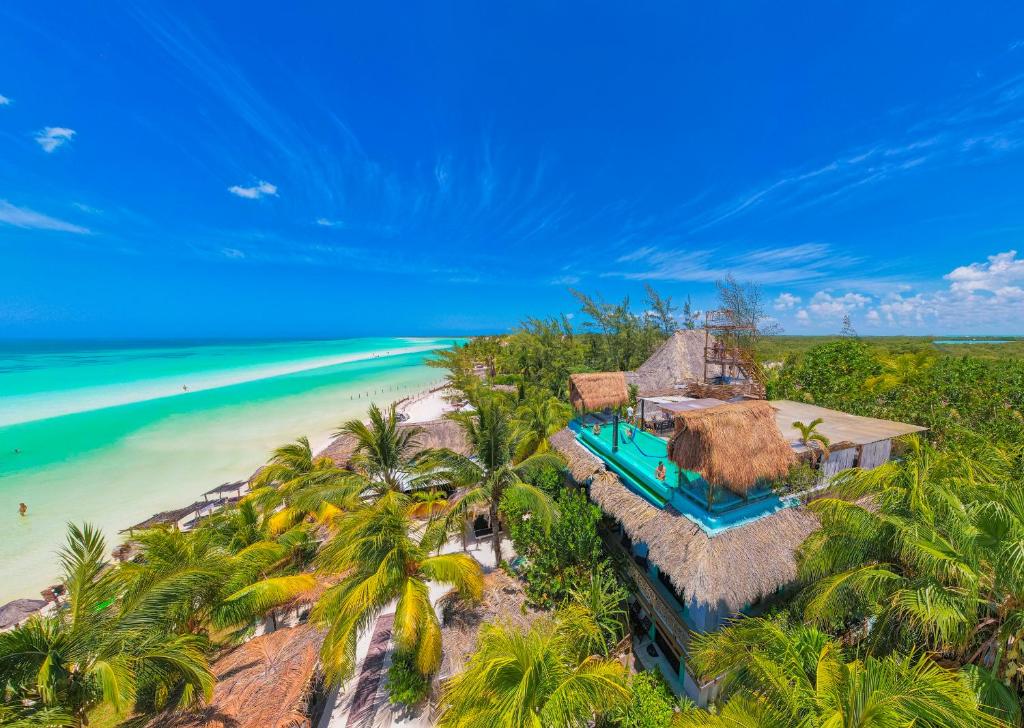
[636, 460]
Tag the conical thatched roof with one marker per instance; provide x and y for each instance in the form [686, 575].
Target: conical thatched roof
[678, 361]
[262, 684]
[598, 390]
[733, 446]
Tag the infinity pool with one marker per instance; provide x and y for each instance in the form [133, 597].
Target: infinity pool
[636, 460]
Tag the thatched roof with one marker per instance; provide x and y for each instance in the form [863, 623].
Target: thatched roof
[734, 446]
[14, 613]
[727, 571]
[598, 390]
[262, 684]
[504, 600]
[582, 463]
[433, 434]
[166, 518]
[679, 360]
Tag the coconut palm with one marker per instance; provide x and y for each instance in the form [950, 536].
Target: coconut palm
[533, 678]
[594, 616]
[295, 484]
[97, 650]
[385, 453]
[779, 677]
[382, 561]
[199, 583]
[811, 438]
[931, 557]
[536, 419]
[901, 370]
[490, 479]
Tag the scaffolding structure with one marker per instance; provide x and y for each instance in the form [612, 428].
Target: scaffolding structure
[727, 346]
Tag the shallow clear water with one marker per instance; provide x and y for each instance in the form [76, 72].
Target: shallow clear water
[107, 433]
[974, 341]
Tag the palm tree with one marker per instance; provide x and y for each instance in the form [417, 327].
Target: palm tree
[533, 678]
[536, 419]
[383, 562]
[200, 583]
[594, 616]
[385, 453]
[295, 484]
[98, 651]
[932, 559]
[900, 371]
[811, 438]
[489, 478]
[776, 676]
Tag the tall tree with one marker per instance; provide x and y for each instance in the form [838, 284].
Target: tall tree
[489, 479]
[384, 557]
[385, 452]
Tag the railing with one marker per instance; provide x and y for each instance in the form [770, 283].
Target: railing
[665, 612]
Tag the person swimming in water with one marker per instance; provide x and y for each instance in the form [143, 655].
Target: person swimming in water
[659, 472]
[596, 429]
[22, 509]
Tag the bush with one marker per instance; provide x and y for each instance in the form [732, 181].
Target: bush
[406, 684]
[545, 475]
[651, 704]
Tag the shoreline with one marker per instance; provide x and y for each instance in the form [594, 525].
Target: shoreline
[423, 406]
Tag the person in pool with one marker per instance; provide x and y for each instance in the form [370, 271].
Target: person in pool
[659, 472]
[596, 429]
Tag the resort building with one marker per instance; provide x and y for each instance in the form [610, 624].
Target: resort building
[705, 519]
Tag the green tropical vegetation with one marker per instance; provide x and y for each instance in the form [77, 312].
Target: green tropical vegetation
[909, 606]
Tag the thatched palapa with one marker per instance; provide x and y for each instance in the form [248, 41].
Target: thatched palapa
[734, 446]
[14, 613]
[678, 361]
[434, 434]
[265, 683]
[598, 390]
[723, 573]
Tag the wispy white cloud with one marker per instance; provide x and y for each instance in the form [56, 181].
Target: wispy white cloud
[52, 138]
[4, 101]
[327, 222]
[256, 191]
[22, 217]
[779, 265]
[566, 280]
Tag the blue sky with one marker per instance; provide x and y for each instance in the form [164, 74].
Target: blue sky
[330, 169]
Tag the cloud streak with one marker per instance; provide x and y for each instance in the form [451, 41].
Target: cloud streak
[22, 217]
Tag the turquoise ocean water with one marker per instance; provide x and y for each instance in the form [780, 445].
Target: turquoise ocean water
[110, 433]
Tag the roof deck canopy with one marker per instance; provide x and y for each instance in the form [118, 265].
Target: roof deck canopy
[598, 390]
[734, 446]
[838, 427]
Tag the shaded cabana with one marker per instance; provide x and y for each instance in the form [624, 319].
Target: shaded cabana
[595, 391]
[14, 613]
[165, 518]
[733, 446]
[265, 683]
[226, 489]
